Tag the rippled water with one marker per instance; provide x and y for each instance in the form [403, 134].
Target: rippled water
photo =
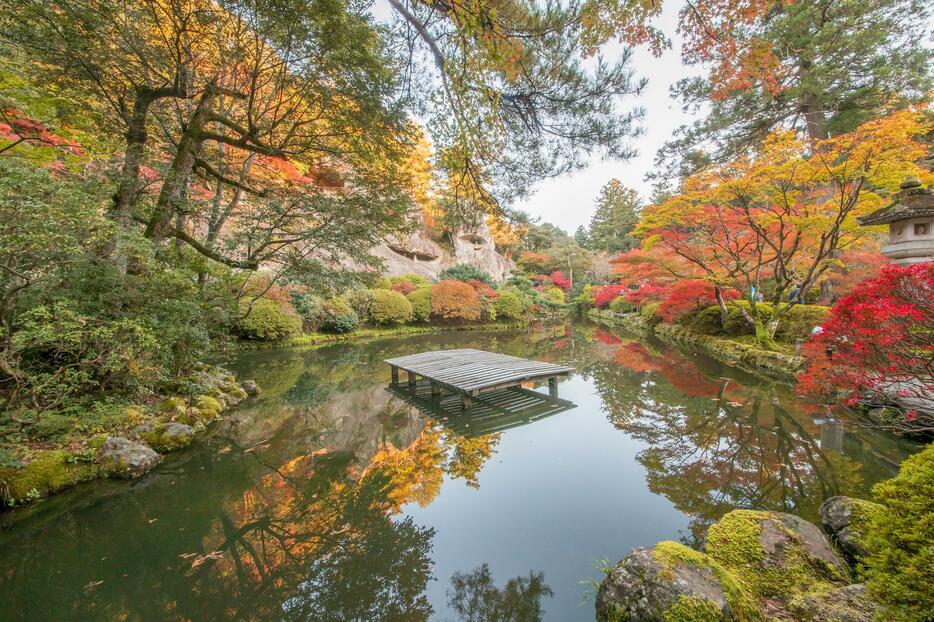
[329, 497]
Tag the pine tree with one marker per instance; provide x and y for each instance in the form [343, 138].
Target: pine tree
[616, 216]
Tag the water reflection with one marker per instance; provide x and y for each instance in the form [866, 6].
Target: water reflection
[304, 504]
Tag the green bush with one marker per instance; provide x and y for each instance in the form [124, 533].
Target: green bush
[420, 300]
[383, 283]
[268, 320]
[308, 306]
[736, 325]
[799, 321]
[648, 313]
[360, 301]
[389, 307]
[509, 306]
[466, 272]
[410, 277]
[621, 305]
[706, 321]
[53, 425]
[338, 317]
[899, 541]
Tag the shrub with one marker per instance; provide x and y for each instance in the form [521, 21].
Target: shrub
[383, 283]
[736, 325]
[308, 306]
[455, 300]
[706, 321]
[410, 277]
[268, 320]
[403, 287]
[389, 307]
[509, 306]
[360, 301]
[901, 556]
[648, 313]
[687, 296]
[337, 317]
[465, 272]
[621, 305]
[420, 300]
[603, 296]
[799, 321]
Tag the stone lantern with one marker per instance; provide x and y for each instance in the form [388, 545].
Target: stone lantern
[911, 224]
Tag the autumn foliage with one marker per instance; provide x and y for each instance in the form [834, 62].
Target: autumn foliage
[454, 300]
[878, 346]
[687, 296]
[603, 296]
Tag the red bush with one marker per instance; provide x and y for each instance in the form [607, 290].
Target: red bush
[603, 296]
[455, 300]
[403, 287]
[647, 292]
[561, 281]
[878, 345]
[686, 296]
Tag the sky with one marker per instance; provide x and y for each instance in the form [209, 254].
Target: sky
[569, 201]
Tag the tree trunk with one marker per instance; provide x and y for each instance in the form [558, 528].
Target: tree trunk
[815, 120]
[724, 312]
[173, 188]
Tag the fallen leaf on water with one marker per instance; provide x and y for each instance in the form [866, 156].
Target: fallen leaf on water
[152, 520]
[93, 584]
[187, 555]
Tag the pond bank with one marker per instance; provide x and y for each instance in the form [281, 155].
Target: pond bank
[773, 364]
[317, 339]
[133, 444]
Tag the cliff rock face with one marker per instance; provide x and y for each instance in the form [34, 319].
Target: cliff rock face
[418, 253]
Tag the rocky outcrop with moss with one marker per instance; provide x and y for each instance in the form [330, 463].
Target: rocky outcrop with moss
[133, 445]
[754, 566]
[745, 356]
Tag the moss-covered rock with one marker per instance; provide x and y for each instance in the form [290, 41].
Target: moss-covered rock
[209, 407]
[122, 458]
[168, 437]
[48, 472]
[844, 604]
[673, 583]
[172, 405]
[848, 521]
[775, 555]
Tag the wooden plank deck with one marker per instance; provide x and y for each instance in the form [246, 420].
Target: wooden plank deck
[471, 372]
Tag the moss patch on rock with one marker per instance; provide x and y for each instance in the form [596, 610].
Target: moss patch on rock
[775, 555]
[743, 605]
[693, 609]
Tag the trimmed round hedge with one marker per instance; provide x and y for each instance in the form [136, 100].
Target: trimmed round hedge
[268, 320]
[420, 300]
[389, 307]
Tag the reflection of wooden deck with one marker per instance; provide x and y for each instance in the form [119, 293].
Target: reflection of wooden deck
[472, 372]
[491, 412]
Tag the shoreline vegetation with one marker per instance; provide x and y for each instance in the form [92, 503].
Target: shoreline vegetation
[776, 365]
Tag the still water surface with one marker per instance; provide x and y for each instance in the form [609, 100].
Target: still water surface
[330, 498]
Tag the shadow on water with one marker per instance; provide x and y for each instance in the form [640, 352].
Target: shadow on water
[331, 497]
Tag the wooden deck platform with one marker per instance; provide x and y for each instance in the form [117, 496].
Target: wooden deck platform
[472, 372]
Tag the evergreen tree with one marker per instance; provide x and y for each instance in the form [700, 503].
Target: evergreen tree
[616, 216]
[820, 68]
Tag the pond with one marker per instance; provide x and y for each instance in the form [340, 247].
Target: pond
[328, 497]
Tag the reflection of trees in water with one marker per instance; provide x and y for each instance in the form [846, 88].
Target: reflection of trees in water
[474, 597]
[714, 443]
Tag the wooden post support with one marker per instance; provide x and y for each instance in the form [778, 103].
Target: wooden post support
[412, 377]
[465, 401]
[553, 387]
[395, 374]
[435, 389]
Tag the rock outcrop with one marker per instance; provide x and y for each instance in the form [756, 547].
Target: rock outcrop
[418, 253]
[122, 458]
[671, 582]
[846, 520]
[755, 566]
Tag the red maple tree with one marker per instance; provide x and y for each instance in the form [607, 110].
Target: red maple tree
[877, 348]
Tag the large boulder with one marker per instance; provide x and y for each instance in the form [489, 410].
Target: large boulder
[672, 582]
[169, 436]
[249, 387]
[777, 555]
[122, 458]
[847, 520]
[843, 604]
